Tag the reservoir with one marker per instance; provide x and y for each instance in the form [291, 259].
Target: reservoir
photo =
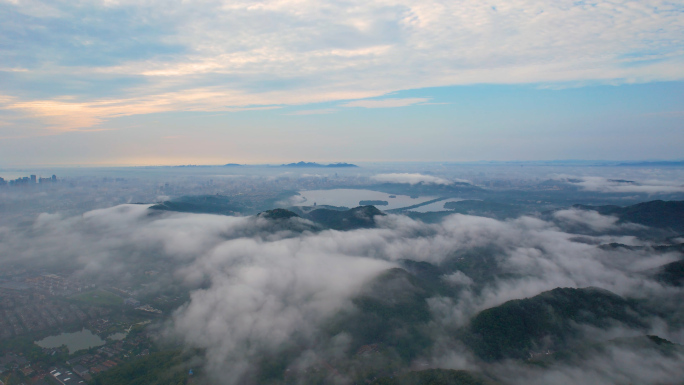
[436, 206]
[351, 198]
[74, 341]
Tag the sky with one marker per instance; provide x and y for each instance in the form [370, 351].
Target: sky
[150, 82]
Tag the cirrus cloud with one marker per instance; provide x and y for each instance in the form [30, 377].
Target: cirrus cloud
[227, 54]
[385, 103]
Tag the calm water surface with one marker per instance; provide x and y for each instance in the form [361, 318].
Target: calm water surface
[84, 339]
[351, 198]
[117, 336]
[437, 206]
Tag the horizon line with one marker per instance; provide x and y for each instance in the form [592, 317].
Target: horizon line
[328, 164]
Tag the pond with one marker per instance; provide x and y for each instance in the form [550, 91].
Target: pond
[351, 198]
[76, 341]
[117, 336]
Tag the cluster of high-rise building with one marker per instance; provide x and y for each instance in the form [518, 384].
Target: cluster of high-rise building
[28, 180]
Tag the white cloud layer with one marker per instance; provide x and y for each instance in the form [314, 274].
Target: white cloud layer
[600, 184]
[216, 55]
[409, 178]
[256, 283]
[591, 219]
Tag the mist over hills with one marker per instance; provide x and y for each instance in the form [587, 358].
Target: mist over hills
[209, 204]
[303, 164]
[547, 322]
[496, 287]
[356, 218]
[279, 192]
[672, 273]
[658, 213]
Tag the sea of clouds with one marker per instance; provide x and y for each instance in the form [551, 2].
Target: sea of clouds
[256, 283]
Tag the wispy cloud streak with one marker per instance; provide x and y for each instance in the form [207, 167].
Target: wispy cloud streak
[219, 55]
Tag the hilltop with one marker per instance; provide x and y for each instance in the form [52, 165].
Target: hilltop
[548, 321]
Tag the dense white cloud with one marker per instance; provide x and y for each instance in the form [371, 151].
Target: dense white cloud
[263, 295]
[591, 219]
[217, 55]
[458, 279]
[257, 283]
[410, 178]
[600, 184]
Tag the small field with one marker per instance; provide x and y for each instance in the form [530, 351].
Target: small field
[99, 297]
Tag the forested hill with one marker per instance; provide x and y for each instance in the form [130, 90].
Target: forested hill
[549, 320]
[659, 214]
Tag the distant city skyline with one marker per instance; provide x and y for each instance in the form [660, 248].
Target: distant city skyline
[123, 83]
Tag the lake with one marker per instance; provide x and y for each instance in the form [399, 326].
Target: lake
[351, 198]
[436, 206]
[76, 341]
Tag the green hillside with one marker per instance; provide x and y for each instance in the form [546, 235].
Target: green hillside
[547, 321]
[659, 214]
[358, 217]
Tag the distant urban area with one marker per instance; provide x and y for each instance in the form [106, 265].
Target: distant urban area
[32, 179]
